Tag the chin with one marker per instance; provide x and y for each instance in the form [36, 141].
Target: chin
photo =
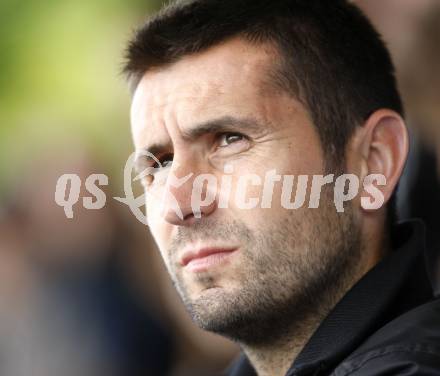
[209, 315]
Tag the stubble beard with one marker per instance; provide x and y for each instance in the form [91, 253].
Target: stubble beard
[292, 270]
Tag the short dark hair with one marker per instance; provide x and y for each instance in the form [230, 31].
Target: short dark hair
[331, 57]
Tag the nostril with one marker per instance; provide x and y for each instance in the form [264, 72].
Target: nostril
[189, 216]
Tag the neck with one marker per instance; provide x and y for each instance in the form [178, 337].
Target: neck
[275, 357]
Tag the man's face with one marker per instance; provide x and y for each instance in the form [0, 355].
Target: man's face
[217, 109]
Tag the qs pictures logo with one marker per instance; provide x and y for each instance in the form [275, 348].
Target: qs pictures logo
[207, 188]
[68, 188]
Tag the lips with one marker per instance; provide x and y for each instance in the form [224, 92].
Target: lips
[204, 258]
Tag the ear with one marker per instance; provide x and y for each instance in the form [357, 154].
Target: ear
[380, 146]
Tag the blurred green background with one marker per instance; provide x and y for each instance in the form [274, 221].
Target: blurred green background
[60, 78]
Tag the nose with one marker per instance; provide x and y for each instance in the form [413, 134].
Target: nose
[185, 199]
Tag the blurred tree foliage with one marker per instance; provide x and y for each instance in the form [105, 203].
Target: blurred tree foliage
[60, 77]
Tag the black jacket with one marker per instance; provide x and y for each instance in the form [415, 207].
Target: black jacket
[387, 324]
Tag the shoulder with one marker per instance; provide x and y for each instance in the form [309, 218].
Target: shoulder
[408, 345]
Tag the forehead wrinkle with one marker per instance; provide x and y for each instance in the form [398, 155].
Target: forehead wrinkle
[205, 91]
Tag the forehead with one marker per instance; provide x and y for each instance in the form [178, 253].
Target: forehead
[226, 65]
[223, 80]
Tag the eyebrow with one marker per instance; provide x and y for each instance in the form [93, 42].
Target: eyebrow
[223, 124]
[219, 125]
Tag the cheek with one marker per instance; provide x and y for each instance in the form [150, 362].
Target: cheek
[253, 190]
[159, 228]
[161, 236]
[162, 239]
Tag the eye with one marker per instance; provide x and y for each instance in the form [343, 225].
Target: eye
[226, 139]
[165, 161]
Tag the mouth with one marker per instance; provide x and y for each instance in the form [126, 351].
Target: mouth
[202, 259]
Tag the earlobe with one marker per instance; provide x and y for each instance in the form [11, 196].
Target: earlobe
[384, 147]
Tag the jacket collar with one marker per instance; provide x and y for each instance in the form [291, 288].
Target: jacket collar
[396, 284]
[376, 299]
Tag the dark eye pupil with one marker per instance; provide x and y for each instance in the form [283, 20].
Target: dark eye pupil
[232, 138]
[167, 162]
